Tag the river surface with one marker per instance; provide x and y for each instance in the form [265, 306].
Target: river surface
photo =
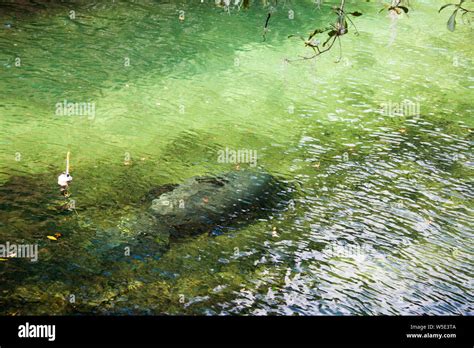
[381, 215]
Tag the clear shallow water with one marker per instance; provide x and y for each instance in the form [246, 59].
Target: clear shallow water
[381, 220]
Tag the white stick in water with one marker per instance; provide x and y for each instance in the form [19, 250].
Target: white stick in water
[67, 163]
[65, 178]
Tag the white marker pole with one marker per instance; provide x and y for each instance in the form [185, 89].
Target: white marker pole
[67, 163]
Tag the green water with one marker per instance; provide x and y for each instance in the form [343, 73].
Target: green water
[381, 218]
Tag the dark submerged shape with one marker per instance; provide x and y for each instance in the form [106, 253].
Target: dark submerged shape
[198, 205]
[203, 203]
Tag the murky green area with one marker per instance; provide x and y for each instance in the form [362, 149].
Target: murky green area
[380, 220]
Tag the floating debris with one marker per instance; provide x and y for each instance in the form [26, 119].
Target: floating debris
[55, 237]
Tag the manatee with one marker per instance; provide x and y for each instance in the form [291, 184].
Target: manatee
[200, 205]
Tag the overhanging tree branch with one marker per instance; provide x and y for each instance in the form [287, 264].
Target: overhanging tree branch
[335, 31]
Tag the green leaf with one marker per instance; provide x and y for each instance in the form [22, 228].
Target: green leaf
[405, 9]
[325, 42]
[317, 31]
[452, 21]
[444, 6]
